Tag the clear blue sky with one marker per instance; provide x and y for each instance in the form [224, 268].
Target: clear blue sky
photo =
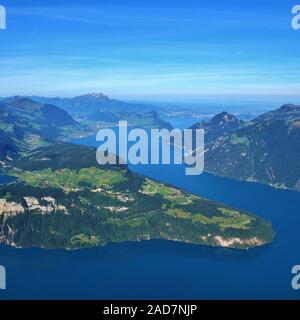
[150, 49]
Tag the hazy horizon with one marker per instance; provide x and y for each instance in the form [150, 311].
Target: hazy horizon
[150, 51]
[180, 101]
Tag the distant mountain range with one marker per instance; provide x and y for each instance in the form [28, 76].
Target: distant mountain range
[91, 103]
[96, 107]
[30, 122]
[26, 124]
[265, 150]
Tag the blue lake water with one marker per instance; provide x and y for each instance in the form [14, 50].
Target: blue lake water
[169, 270]
[6, 179]
[183, 122]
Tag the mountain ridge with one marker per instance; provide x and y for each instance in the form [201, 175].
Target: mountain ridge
[98, 109]
[266, 149]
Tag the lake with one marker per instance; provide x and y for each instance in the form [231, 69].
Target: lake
[170, 270]
[6, 179]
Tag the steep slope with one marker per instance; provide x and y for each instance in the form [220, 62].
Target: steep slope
[265, 150]
[8, 148]
[26, 124]
[63, 199]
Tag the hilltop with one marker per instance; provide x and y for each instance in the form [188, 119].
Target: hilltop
[220, 125]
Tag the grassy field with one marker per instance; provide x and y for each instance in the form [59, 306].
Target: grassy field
[174, 195]
[234, 221]
[68, 179]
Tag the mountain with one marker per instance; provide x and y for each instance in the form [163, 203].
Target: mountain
[64, 199]
[97, 108]
[266, 150]
[220, 125]
[25, 124]
[91, 103]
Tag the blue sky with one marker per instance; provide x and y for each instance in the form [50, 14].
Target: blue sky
[150, 49]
